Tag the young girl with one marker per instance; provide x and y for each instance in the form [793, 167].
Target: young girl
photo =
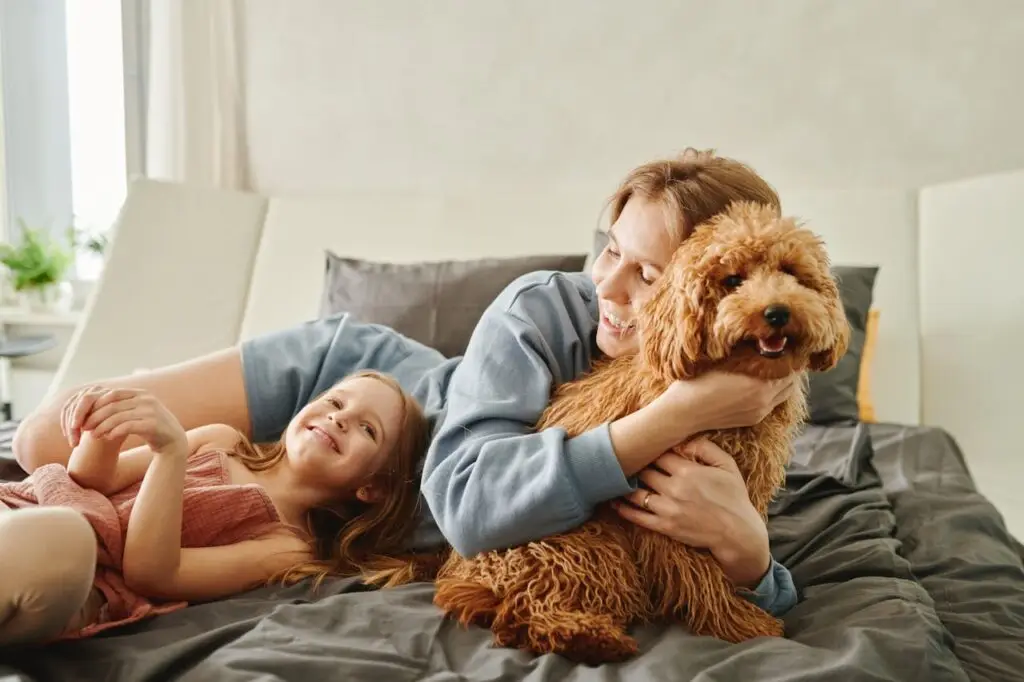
[205, 514]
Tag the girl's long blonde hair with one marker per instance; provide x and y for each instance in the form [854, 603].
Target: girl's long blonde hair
[355, 538]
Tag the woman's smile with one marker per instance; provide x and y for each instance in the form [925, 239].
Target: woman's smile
[616, 325]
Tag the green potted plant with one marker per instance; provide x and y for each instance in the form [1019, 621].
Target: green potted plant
[38, 266]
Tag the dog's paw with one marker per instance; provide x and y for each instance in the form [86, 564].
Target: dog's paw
[592, 641]
[467, 602]
[742, 624]
[771, 627]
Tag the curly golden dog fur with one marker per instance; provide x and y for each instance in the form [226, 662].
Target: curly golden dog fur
[748, 292]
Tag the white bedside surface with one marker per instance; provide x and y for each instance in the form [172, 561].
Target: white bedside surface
[9, 315]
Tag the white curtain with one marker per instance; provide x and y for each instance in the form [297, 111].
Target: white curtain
[194, 83]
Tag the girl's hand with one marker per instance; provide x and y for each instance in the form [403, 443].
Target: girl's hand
[118, 413]
[703, 503]
[76, 408]
[726, 400]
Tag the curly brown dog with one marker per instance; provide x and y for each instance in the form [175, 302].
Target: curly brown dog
[748, 292]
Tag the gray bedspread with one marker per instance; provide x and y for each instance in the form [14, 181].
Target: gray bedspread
[906, 573]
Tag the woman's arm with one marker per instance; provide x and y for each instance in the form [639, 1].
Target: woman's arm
[254, 387]
[206, 390]
[492, 481]
[704, 503]
[776, 593]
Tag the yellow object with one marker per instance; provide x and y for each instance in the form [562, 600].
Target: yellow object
[865, 406]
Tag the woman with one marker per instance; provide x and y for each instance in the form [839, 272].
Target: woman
[489, 482]
[492, 482]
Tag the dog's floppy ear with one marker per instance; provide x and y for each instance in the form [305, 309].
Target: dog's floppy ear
[827, 359]
[672, 324]
[839, 330]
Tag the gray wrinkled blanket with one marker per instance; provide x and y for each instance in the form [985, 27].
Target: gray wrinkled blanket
[906, 571]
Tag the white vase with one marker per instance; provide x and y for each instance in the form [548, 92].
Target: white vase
[53, 298]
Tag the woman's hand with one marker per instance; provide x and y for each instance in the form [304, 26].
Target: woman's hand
[118, 413]
[726, 400]
[716, 400]
[704, 504]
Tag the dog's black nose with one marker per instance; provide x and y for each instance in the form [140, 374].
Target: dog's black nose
[777, 315]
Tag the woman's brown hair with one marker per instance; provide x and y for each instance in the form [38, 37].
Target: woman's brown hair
[693, 188]
[357, 538]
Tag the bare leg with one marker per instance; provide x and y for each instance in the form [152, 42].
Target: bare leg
[207, 390]
[47, 565]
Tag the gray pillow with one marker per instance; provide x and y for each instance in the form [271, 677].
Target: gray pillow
[832, 397]
[600, 241]
[436, 303]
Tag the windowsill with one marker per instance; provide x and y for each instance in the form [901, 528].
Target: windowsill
[21, 316]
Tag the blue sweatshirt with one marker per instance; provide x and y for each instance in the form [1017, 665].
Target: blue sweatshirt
[489, 481]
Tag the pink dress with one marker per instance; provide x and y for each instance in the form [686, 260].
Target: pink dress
[214, 512]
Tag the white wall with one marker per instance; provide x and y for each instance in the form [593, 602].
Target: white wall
[847, 107]
[522, 101]
[972, 318]
[877, 227]
[398, 94]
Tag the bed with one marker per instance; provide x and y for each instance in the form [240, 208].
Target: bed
[907, 573]
[907, 570]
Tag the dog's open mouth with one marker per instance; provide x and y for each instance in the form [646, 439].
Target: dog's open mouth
[772, 346]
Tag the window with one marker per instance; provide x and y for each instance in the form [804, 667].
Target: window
[62, 118]
[96, 119]
[3, 156]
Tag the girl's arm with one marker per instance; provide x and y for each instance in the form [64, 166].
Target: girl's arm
[209, 573]
[156, 565]
[94, 463]
[152, 546]
[152, 550]
[98, 464]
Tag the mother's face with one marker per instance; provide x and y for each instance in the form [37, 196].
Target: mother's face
[640, 245]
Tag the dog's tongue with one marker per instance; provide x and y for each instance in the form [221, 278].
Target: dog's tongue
[775, 344]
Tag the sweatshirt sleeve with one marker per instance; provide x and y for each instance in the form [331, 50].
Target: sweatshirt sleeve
[776, 593]
[284, 369]
[491, 481]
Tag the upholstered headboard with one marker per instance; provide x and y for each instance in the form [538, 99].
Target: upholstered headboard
[211, 268]
[288, 271]
[860, 228]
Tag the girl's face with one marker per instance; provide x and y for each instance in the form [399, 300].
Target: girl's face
[340, 441]
[640, 245]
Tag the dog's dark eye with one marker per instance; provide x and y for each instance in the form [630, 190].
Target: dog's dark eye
[789, 270]
[732, 281]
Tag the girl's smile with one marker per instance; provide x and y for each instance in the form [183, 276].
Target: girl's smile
[325, 438]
